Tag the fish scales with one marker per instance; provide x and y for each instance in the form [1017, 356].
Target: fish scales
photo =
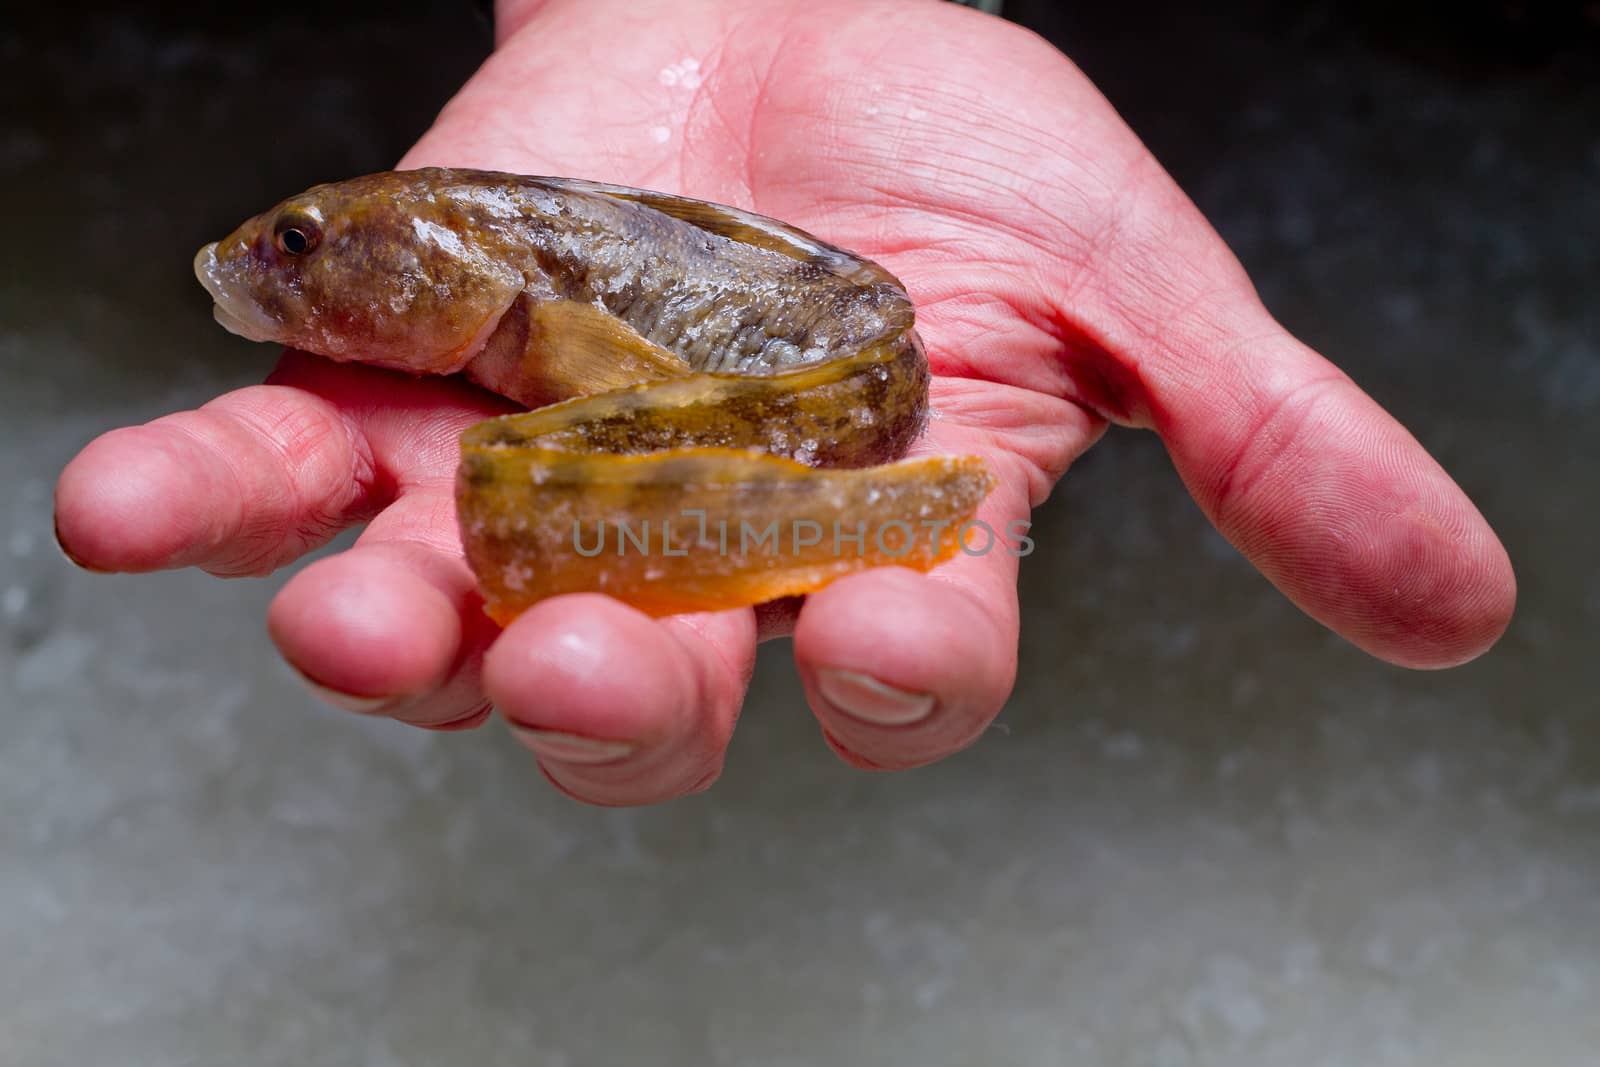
[692, 369]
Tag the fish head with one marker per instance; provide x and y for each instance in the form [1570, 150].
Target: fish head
[389, 270]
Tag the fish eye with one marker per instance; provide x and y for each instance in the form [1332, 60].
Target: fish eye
[296, 235]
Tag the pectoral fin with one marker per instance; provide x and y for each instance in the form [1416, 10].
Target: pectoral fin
[546, 350]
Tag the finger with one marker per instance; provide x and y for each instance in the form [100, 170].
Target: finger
[617, 707]
[412, 425]
[1342, 509]
[241, 486]
[903, 668]
[1321, 489]
[394, 626]
[261, 475]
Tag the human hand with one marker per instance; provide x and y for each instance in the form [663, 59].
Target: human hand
[1062, 282]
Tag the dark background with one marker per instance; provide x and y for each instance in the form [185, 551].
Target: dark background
[1204, 831]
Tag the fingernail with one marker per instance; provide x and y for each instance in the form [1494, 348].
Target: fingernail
[570, 748]
[465, 721]
[863, 697]
[344, 701]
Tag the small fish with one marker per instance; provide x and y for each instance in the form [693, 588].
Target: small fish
[719, 398]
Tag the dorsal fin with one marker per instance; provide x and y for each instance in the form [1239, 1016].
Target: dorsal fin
[746, 227]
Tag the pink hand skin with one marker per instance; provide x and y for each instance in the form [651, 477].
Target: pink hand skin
[1063, 282]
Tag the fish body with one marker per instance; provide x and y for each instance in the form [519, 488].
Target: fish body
[725, 394]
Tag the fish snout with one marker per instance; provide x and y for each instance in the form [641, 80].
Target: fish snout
[237, 316]
[205, 269]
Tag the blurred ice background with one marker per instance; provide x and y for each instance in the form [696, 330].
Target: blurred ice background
[1205, 831]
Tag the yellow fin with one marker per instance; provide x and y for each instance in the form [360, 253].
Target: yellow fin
[545, 350]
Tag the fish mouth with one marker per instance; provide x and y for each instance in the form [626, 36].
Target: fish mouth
[237, 317]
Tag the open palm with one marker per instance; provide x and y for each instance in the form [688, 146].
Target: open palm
[1062, 282]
